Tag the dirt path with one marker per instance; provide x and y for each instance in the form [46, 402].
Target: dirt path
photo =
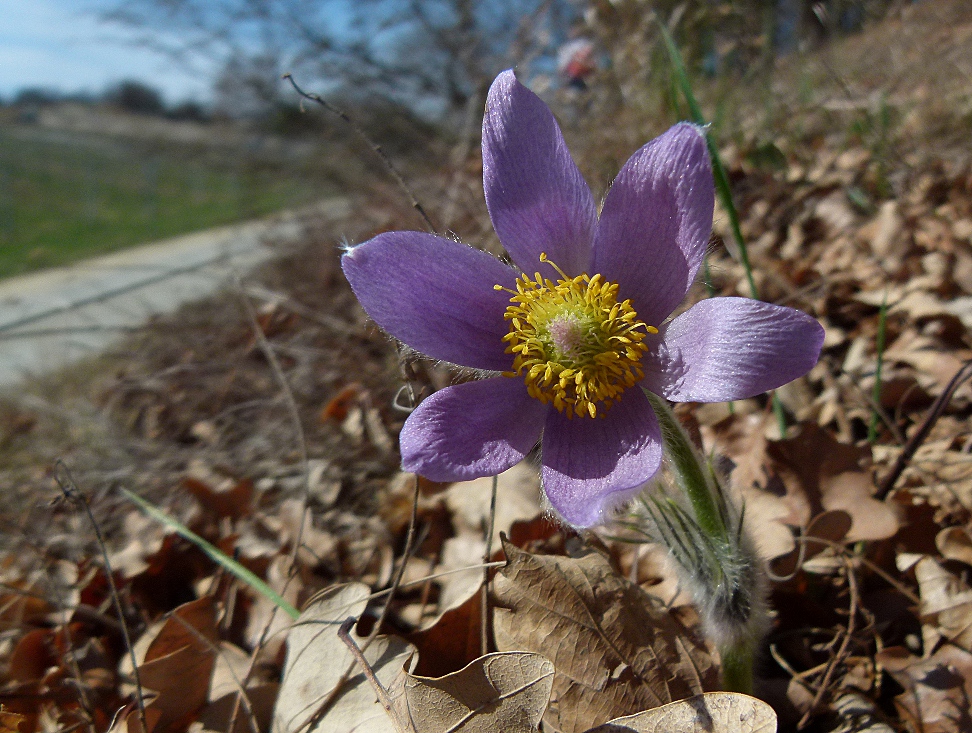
[52, 318]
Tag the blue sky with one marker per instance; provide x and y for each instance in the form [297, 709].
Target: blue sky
[60, 44]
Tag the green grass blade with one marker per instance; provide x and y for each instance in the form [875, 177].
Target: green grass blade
[722, 187]
[214, 553]
[876, 391]
[718, 169]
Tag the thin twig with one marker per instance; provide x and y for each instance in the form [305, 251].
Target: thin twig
[484, 606]
[271, 357]
[936, 411]
[406, 554]
[312, 722]
[64, 479]
[359, 657]
[242, 697]
[837, 658]
[317, 99]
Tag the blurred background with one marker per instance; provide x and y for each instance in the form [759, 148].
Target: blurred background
[125, 121]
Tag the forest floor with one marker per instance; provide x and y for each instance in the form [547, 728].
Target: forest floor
[265, 420]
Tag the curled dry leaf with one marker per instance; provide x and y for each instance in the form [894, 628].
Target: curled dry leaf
[616, 651]
[712, 712]
[823, 530]
[955, 543]
[10, 722]
[793, 481]
[452, 642]
[498, 692]
[517, 499]
[946, 602]
[317, 660]
[937, 690]
[177, 659]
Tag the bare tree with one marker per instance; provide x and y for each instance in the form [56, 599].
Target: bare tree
[440, 52]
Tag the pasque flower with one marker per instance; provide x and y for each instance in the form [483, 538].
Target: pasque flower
[569, 336]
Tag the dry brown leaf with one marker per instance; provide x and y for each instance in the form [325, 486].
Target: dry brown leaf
[823, 474]
[10, 722]
[712, 712]
[937, 690]
[232, 664]
[615, 649]
[829, 528]
[452, 642]
[266, 624]
[317, 659]
[517, 498]
[946, 602]
[233, 499]
[32, 655]
[955, 543]
[255, 713]
[176, 661]
[498, 692]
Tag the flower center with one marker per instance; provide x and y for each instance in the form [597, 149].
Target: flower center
[572, 342]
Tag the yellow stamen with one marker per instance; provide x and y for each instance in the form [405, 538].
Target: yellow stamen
[573, 343]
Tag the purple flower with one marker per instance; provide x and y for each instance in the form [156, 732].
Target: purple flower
[569, 348]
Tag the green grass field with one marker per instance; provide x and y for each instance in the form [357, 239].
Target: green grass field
[64, 197]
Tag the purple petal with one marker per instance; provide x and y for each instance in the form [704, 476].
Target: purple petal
[591, 465]
[537, 199]
[656, 222]
[435, 295]
[725, 349]
[472, 430]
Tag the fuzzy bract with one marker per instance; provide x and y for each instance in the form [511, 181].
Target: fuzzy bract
[571, 335]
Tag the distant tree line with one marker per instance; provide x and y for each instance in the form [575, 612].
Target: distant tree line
[130, 95]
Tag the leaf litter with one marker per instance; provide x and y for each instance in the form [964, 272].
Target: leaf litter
[871, 593]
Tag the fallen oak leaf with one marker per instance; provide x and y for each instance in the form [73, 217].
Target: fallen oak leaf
[824, 531]
[711, 712]
[829, 475]
[615, 649]
[317, 660]
[946, 602]
[10, 722]
[955, 543]
[176, 660]
[937, 690]
[506, 691]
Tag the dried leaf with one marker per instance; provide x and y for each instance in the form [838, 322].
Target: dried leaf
[946, 602]
[615, 649]
[10, 722]
[317, 659]
[829, 476]
[452, 642]
[498, 692]
[831, 527]
[179, 659]
[253, 714]
[233, 500]
[937, 689]
[955, 543]
[32, 656]
[712, 712]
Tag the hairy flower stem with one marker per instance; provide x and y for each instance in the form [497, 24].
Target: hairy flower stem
[707, 540]
[688, 472]
[737, 668]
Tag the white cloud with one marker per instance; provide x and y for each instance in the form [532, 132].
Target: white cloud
[61, 44]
